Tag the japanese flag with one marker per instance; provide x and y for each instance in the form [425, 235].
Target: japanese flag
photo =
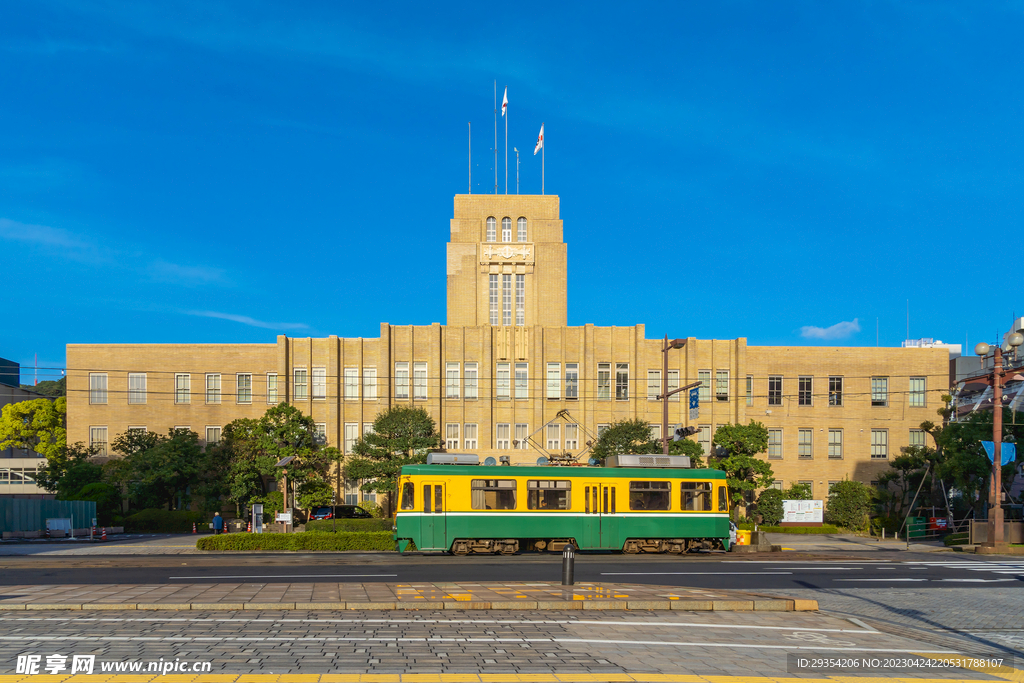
[540, 140]
[504, 102]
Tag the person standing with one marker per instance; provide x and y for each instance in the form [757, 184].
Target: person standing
[218, 523]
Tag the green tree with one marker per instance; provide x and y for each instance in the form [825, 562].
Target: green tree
[68, 473]
[633, 437]
[400, 436]
[163, 468]
[848, 504]
[769, 506]
[745, 472]
[38, 424]
[49, 387]
[798, 492]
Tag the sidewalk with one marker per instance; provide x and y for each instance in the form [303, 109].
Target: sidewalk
[391, 596]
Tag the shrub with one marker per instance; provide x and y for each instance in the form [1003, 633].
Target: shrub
[769, 506]
[848, 504]
[306, 540]
[167, 521]
[373, 508]
[797, 492]
[328, 525]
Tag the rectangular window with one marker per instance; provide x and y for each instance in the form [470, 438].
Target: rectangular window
[506, 300]
[601, 429]
[182, 388]
[554, 437]
[554, 381]
[750, 390]
[272, 388]
[775, 444]
[655, 432]
[369, 384]
[351, 437]
[917, 437]
[137, 428]
[243, 388]
[471, 381]
[212, 436]
[604, 381]
[319, 383]
[451, 436]
[367, 428]
[696, 495]
[451, 380]
[502, 436]
[804, 391]
[522, 381]
[572, 381]
[419, 381]
[880, 391]
[98, 438]
[213, 388]
[469, 432]
[408, 496]
[320, 433]
[137, 387]
[493, 494]
[350, 386]
[722, 385]
[493, 289]
[879, 444]
[300, 384]
[520, 299]
[809, 484]
[804, 444]
[704, 438]
[917, 392]
[572, 438]
[653, 385]
[622, 381]
[650, 495]
[777, 484]
[503, 381]
[835, 444]
[673, 383]
[835, 391]
[775, 390]
[97, 387]
[548, 494]
[520, 436]
[401, 380]
[704, 391]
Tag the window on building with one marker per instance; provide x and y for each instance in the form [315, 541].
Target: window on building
[506, 229]
[520, 436]
[673, 383]
[554, 437]
[601, 429]
[319, 383]
[451, 380]
[98, 439]
[469, 433]
[917, 437]
[704, 438]
[880, 391]
[804, 444]
[493, 494]
[522, 381]
[704, 391]
[835, 391]
[572, 381]
[776, 484]
[655, 432]
[419, 381]
[835, 444]
[696, 495]
[520, 300]
[879, 444]
[137, 387]
[494, 299]
[831, 483]
[804, 391]
[402, 380]
[350, 386]
[369, 384]
[502, 438]
[775, 444]
[553, 388]
[492, 229]
[243, 387]
[653, 385]
[272, 388]
[503, 378]
[775, 390]
[320, 433]
[471, 381]
[622, 381]
[300, 384]
[650, 495]
[521, 226]
[182, 388]
[367, 428]
[750, 390]
[722, 385]
[451, 436]
[572, 437]
[548, 494]
[97, 387]
[213, 388]
[809, 484]
[917, 392]
[212, 436]
[506, 299]
[604, 381]
[351, 437]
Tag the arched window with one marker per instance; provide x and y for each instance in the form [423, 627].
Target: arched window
[506, 229]
[522, 229]
[492, 227]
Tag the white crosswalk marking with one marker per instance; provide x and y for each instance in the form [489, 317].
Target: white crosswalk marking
[996, 566]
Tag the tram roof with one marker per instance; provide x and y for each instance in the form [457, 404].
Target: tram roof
[550, 471]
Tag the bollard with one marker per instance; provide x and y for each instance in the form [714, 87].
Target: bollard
[568, 562]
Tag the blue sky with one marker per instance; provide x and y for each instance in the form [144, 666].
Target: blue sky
[225, 172]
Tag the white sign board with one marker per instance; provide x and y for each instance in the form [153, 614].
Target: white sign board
[803, 511]
[285, 517]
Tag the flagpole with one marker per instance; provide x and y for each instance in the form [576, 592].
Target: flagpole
[505, 107]
[470, 124]
[495, 136]
[542, 148]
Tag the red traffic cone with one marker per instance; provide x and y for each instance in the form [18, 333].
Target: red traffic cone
[103, 537]
[47, 531]
[194, 528]
[249, 530]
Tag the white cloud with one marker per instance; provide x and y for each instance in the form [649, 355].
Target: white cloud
[40, 234]
[246, 320]
[162, 271]
[840, 330]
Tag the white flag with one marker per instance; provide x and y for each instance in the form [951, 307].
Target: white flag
[540, 140]
[504, 102]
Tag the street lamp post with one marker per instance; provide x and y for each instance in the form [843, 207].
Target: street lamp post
[674, 344]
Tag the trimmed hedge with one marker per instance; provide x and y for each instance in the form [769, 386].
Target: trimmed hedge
[823, 529]
[350, 525]
[167, 521]
[304, 540]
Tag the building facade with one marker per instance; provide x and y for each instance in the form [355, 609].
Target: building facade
[17, 465]
[507, 376]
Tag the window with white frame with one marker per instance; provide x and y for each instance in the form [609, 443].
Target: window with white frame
[520, 436]
[471, 381]
[451, 380]
[300, 384]
[492, 229]
[521, 227]
[494, 299]
[137, 387]
[451, 436]
[503, 381]
[835, 391]
[750, 390]
[243, 387]
[879, 391]
[809, 484]
[506, 229]
[917, 437]
[350, 383]
[776, 484]
[367, 428]
[835, 444]
[522, 381]
[572, 381]
[520, 300]
[501, 436]
[137, 428]
[721, 385]
[212, 435]
[601, 429]
[672, 384]
[213, 388]
[704, 438]
[775, 444]
[653, 385]
[704, 390]
[506, 299]
[655, 432]
[604, 381]
[622, 381]
[369, 384]
[917, 392]
[97, 387]
[402, 380]
[879, 444]
[272, 388]
[320, 433]
[98, 439]
[469, 432]
[554, 437]
[182, 387]
[553, 386]
[804, 444]
[419, 381]
[319, 383]
[804, 391]
[775, 390]
[351, 436]
[572, 437]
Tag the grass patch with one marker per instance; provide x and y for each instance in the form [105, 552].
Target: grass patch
[305, 540]
[328, 525]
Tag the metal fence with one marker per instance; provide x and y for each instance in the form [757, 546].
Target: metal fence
[30, 514]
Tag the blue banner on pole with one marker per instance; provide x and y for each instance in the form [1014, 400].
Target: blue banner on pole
[694, 403]
[1008, 452]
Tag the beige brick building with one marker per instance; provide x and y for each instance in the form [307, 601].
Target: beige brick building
[508, 376]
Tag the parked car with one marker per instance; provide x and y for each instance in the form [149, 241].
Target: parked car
[340, 512]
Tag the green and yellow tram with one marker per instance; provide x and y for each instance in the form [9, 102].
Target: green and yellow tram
[466, 509]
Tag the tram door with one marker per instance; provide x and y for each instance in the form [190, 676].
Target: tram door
[433, 531]
[600, 526]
